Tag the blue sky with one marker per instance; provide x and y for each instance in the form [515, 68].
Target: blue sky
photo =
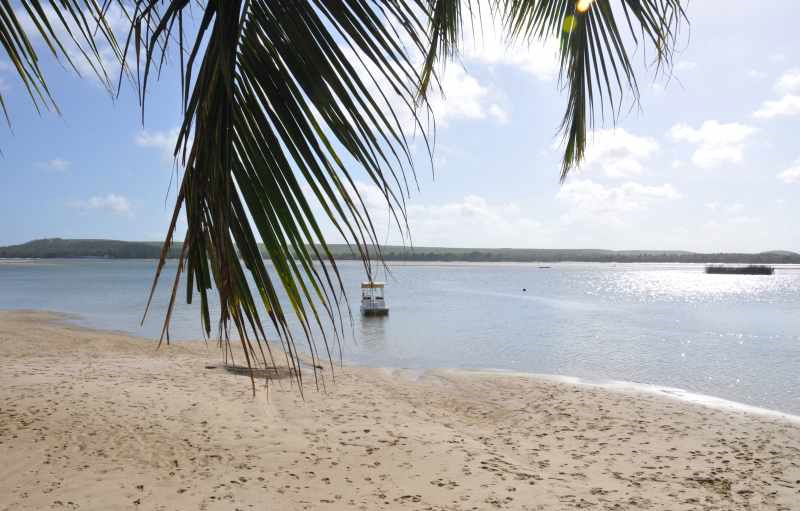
[709, 163]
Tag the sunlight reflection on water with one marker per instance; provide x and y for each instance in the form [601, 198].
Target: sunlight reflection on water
[692, 286]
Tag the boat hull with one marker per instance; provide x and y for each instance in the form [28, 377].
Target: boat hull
[375, 311]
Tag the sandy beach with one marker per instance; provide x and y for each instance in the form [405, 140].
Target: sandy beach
[101, 420]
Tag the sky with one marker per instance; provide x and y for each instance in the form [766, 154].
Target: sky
[709, 162]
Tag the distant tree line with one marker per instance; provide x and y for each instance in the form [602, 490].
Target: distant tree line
[114, 249]
[568, 256]
[68, 248]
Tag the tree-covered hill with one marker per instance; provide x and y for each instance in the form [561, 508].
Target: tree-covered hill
[71, 248]
[114, 249]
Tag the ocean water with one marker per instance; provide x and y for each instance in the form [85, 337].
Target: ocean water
[734, 337]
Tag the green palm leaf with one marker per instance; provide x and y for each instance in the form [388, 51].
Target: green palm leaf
[80, 24]
[594, 59]
[285, 100]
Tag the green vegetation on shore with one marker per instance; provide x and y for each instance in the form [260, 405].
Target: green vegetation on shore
[77, 248]
[114, 249]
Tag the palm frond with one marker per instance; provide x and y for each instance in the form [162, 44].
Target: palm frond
[279, 102]
[84, 25]
[285, 101]
[595, 63]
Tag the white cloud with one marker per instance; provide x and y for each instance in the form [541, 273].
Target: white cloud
[463, 97]
[370, 195]
[717, 143]
[115, 17]
[161, 140]
[456, 224]
[56, 164]
[456, 95]
[471, 221]
[791, 174]
[790, 102]
[113, 203]
[498, 113]
[595, 202]
[788, 83]
[617, 153]
[488, 43]
[788, 105]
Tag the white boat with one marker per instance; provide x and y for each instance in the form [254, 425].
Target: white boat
[373, 303]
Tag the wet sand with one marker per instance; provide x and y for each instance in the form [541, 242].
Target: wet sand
[100, 420]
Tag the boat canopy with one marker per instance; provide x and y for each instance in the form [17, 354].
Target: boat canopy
[368, 285]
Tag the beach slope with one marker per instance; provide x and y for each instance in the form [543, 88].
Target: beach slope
[99, 420]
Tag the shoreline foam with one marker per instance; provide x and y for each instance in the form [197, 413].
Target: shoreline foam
[715, 402]
[683, 395]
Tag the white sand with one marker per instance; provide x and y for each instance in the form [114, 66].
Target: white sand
[99, 420]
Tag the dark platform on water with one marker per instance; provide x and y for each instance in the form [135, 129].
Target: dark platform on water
[741, 270]
[375, 312]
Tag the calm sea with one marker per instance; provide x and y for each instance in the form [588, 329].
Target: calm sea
[731, 336]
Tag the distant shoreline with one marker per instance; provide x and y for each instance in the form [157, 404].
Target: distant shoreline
[57, 248]
[399, 263]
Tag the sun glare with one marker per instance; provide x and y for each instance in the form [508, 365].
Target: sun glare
[583, 5]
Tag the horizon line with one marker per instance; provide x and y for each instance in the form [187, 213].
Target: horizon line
[416, 247]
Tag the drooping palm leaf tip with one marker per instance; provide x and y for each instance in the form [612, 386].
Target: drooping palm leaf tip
[284, 100]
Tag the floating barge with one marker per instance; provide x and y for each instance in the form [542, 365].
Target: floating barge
[740, 270]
